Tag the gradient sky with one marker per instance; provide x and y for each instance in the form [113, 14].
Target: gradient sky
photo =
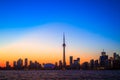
[34, 29]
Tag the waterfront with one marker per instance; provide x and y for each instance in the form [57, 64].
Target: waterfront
[60, 75]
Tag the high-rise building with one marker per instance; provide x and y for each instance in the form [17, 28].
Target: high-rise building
[116, 61]
[36, 65]
[7, 64]
[31, 64]
[114, 56]
[103, 53]
[14, 64]
[60, 63]
[71, 60]
[19, 63]
[96, 64]
[26, 62]
[64, 45]
[76, 64]
[78, 60]
[103, 59]
[92, 63]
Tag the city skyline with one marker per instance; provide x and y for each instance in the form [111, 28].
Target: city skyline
[34, 29]
[103, 63]
[63, 61]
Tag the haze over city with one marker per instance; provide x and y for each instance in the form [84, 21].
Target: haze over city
[34, 29]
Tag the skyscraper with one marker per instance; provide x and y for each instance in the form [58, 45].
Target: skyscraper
[14, 64]
[26, 62]
[92, 64]
[20, 63]
[7, 64]
[71, 60]
[103, 53]
[103, 59]
[64, 45]
[60, 64]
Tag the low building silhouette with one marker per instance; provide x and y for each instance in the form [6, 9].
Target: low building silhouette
[85, 66]
[49, 66]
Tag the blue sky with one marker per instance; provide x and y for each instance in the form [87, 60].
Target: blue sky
[92, 19]
[98, 16]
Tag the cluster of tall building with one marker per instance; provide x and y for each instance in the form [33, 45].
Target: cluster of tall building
[74, 64]
[19, 64]
[102, 63]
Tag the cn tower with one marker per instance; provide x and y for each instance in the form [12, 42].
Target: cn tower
[64, 45]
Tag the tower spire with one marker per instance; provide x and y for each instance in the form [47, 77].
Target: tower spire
[64, 45]
[63, 38]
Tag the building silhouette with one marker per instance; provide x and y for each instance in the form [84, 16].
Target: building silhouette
[92, 64]
[20, 64]
[103, 63]
[74, 64]
[85, 66]
[8, 65]
[26, 63]
[71, 60]
[116, 61]
[64, 57]
[103, 59]
[96, 64]
[14, 64]
[60, 64]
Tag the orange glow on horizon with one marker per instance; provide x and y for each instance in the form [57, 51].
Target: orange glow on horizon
[3, 63]
[37, 49]
[44, 44]
[50, 57]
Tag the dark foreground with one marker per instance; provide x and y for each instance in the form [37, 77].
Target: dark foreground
[60, 75]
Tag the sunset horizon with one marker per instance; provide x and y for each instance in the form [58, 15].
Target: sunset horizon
[44, 59]
[34, 29]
